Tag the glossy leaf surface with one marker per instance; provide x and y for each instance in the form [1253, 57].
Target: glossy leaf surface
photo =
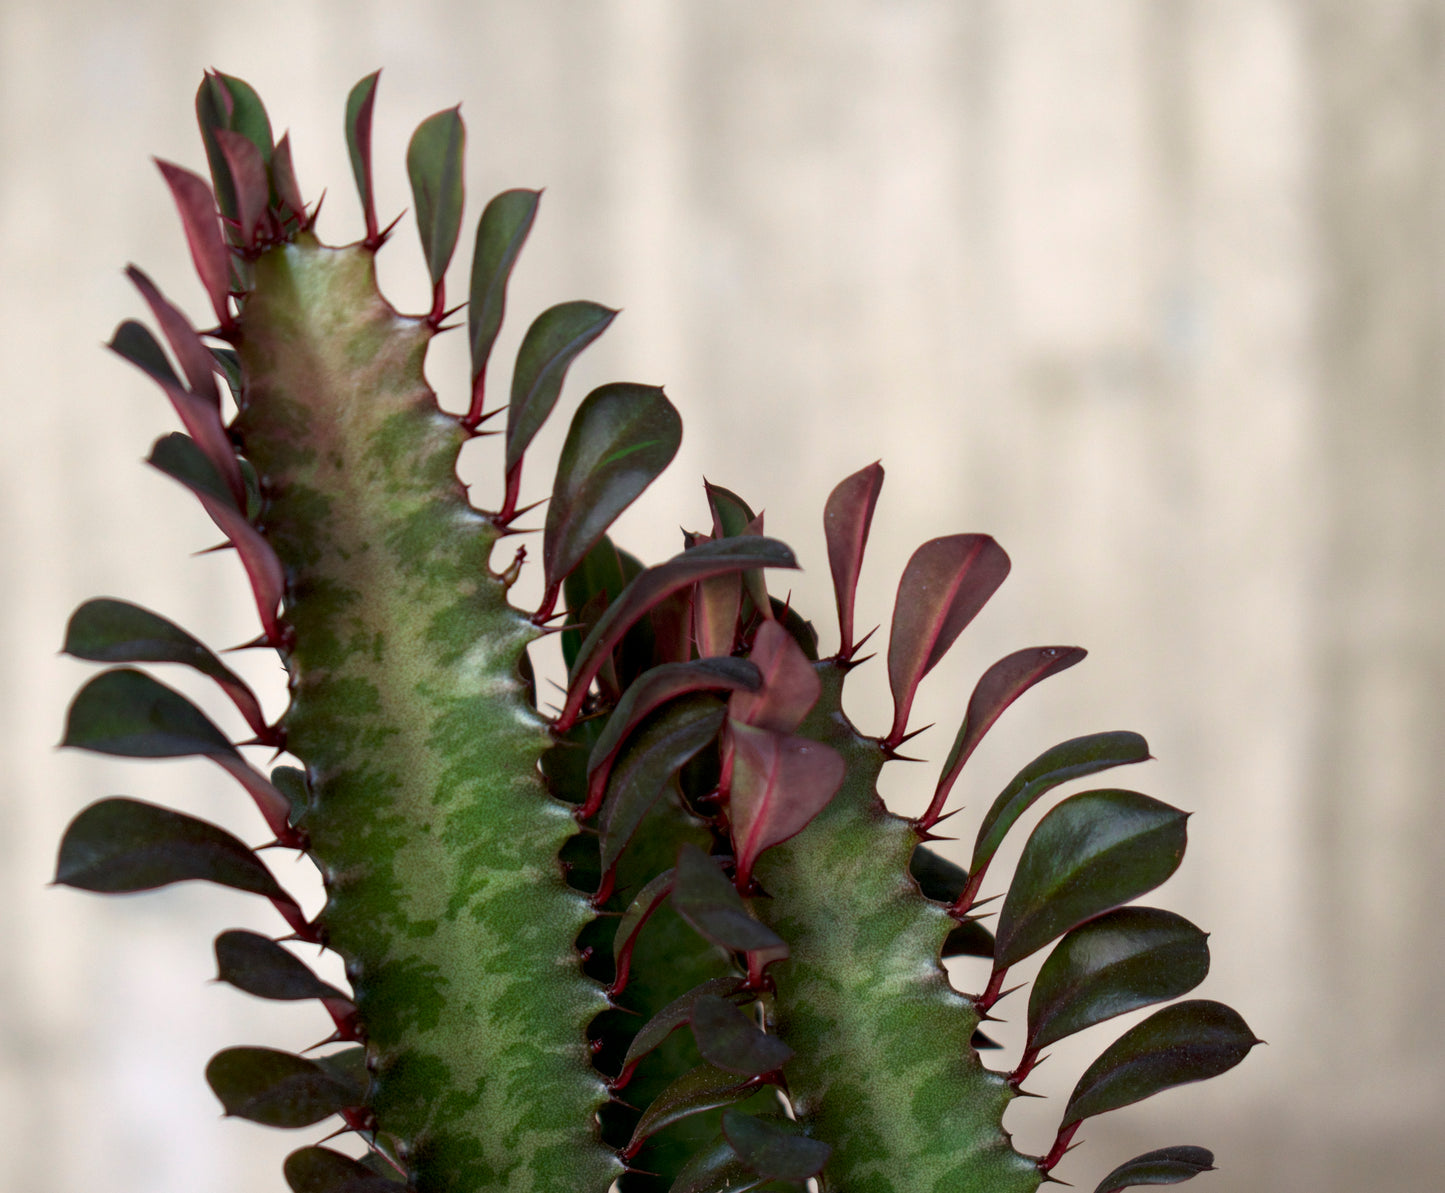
[434, 163]
[320, 1170]
[946, 583]
[1165, 1166]
[121, 845]
[1125, 959]
[676, 1014]
[847, 517]
[1189, 1041]
[1093, 852]
[620, 440]
[774, 1147]
[716, 1169]
[697, 1090]
[501, 232]
[277, 1089]
[730, 1039]
[644, 904]
[128, 713]
[705, 898]
[260, 966]
[554, 340]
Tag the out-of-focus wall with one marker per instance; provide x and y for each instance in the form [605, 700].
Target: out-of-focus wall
[1152, 290]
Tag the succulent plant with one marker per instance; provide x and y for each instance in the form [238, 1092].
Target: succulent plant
[667, 933]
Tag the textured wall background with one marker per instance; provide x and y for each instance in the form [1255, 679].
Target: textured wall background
[1149, 289]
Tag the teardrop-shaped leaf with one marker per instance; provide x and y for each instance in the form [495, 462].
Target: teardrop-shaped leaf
[111, 631]
[259, 966]
[434, 163]
[1093, 852]
[790, 686]
[946, 583]
[1073, 759]
[501, 233]
[1000, 686]
[1188, 1041]
[359, 104]
[248, 178]
[320, 1170]
[732, 516]
[284, 184]
[652, 586]
[554, 340]
[699, 1089]
[703, 896]
[779, 783]
[675, 1014]
[774, 1147]
[1166, 1166]
[969, 939]
[276, 1088]
[182, 460]
[656, 753]
[620, 440]
[121, 845]
[728, 1038]
[212, 259]
[638, 912]
[716, 1169]
[650, 692]
[938, 878]
[226, 102]
[847, 517]
[128, 713]
[247, 114]
[1125, 959]
[133, 341]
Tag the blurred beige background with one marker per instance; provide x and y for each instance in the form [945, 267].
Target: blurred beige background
[1152, 290]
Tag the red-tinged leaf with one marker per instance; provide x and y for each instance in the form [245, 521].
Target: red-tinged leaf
[197, 206]
[1189, 1041]
[226, 102]
[1115, 963]
[133, 341]
[847, 517]
[717, 1169]
[554, 340]
[645, 695]
[790, 686]
[658, 751]
[732, 1041]
[668, 627]
[1000, 686]
[779, 783]
[127, 713]
[731, 517]
[1095, 851]
[259, 966]
[774, 1146]
[946, 583]
[110, 631]
[278, 1089]
[676, 1014]
[320, 1170]
[248, 176]
[1073, 759]
[654, 585]
[699, 1089]
[638, 912]
[283, 181]
[290, 781]
[359, 105]
[703, 896]
[272, 803]
[1166, 1166]
[590, 588]
[195, 358]
[620, 440]
[501, 233]
[434, 161]
[118, 846]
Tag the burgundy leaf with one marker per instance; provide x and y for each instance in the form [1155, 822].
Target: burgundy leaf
[283, 179]
[790, 686]
[942, 589]
[248, 175]
[638, 912]
[846, 519]
[730, 1039]
[779, 783]
[1000, 686]
[704, 897]
[195, 358]
[358, 140]
[212, 258]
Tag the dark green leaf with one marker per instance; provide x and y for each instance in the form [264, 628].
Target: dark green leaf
[716, 1169]
[1093, 852]
[677, 1013]
[283, 181]
[699, 1089]
[501, 232]
[275, 1088]
[359, 104]
[259, 966]
[290, 781]
[320, 1170]
[180, 459]
[229, 363]
[110, 631]
[1068, 760]
[122, 845]
[1189, 1041]
[779, 783]
[556, 338]
[731, 517]
[946, 583]
[1166, 1166]
[774, 1147]
[249, 178]
[621, 438]
[705, 898]
[590, 588]
[225, 102]
[654, 585]
[434, 162]
[133, 341]
[248, 114]
[969, 939]
[846, 518]
[638, 912]
[653, 757]
[938, 878]
[128, 713]
[1125, 959]
[348, 1065]
[728, 1038]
